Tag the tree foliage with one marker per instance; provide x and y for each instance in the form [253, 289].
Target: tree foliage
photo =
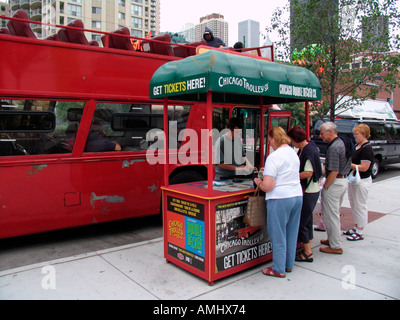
[338, 41]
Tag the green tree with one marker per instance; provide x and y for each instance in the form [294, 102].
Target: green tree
[338, 41]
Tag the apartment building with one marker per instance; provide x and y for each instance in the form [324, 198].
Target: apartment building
[140, 16]
[3, 12]
[214, 21]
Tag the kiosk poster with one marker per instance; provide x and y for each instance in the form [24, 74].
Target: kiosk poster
[185, 232]
[236, 242]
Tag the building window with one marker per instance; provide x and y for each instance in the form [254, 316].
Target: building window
[96, 37]
[74, 10]
[136, 33]
[136, 23]
[137, 10]
[96, 24]
[121, 15]
[96, 10]
[121, 3]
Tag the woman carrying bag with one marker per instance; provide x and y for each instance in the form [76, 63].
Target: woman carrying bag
[284, 196]
[362, 161]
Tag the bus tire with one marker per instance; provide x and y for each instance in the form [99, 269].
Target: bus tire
[375, 168]
[186, 176]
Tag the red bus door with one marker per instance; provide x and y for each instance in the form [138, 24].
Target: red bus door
[272, 119]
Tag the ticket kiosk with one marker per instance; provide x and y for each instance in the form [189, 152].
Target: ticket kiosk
[204, 232]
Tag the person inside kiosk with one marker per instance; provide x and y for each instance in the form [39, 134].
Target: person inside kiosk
[230, 156]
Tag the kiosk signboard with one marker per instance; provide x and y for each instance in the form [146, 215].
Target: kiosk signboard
[236, 242]
[185, 231]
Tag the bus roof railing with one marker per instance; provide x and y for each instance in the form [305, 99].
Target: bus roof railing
[20, 25]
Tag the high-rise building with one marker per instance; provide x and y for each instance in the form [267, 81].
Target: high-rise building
[249, 33]
[375, 31]
[189, 32]
[216, 23]
[140, 16]
[326, 10]
[3, 12]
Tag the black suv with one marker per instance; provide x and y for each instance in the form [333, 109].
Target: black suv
[385, 139]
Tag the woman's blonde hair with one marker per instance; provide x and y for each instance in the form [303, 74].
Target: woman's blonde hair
[279, 136]
[363, 129]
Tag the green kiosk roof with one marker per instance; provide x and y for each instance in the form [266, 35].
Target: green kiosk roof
[233, 79]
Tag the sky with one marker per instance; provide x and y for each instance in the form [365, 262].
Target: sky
[176, 13]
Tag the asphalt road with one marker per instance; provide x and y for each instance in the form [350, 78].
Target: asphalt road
[22, 251]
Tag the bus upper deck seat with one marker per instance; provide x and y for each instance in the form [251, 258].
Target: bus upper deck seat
[53, 37]
[157, 47]
[190, 50]
[4, 30]
[20, 28]
[194, 45]
[75, 35]
[182, 52]
[118, 42]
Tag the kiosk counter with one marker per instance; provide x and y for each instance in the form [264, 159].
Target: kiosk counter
[205, 234]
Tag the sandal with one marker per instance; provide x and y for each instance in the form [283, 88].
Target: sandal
[303, 257]
[349, 232]
[355, 237]
[272, 273]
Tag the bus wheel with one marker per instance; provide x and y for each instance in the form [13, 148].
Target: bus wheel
[186, 176]
[375, 168]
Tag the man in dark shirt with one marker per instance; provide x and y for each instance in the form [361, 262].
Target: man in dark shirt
[337, 167]
[230, 157]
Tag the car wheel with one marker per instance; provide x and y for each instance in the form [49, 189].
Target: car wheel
[375, 168]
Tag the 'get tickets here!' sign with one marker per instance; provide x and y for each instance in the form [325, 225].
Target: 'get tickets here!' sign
[180, 87]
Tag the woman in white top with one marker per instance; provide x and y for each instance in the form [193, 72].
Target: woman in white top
[284, 196]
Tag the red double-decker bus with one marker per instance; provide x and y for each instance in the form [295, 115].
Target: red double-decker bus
[75, 120]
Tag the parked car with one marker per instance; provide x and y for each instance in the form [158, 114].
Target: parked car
[385, 139]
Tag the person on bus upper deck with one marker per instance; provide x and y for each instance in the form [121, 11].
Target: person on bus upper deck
[363, 158]
[238, 46]
[337, 167]
[211, 40]
[230, 157]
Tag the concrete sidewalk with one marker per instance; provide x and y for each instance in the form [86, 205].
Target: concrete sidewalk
[367, 269]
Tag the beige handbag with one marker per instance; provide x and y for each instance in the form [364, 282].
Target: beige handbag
[256, 211]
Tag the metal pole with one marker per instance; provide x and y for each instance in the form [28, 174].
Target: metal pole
[307, 114]
[166, 145]
[210, 167]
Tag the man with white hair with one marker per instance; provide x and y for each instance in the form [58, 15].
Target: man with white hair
[337, 167]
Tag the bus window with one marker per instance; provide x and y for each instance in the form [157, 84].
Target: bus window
[220, 118]
[133, 126]
[32, 127]
[281, 122]
[250, 133]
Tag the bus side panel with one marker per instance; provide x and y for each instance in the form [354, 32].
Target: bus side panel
[61, 195]
[58, 68]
